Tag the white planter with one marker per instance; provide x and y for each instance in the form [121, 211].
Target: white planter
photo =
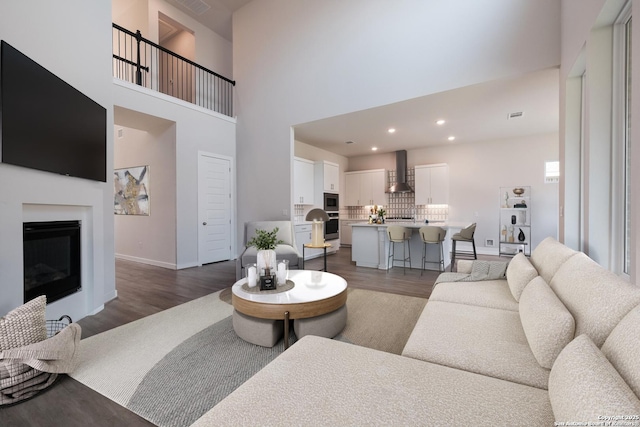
[266, 258]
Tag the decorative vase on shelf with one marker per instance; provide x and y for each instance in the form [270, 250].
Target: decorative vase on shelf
[521, 235]
[511, 239]
[523, 217]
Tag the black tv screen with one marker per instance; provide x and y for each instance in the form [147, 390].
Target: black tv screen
[46, 124]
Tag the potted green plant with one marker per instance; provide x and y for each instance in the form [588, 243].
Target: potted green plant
[265, 242]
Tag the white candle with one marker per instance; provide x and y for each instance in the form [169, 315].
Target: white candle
[251, 277]
[282, 274]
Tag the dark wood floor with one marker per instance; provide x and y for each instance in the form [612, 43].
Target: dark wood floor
[144, 290]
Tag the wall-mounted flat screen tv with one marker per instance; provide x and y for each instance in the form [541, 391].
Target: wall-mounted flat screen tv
[46, 124]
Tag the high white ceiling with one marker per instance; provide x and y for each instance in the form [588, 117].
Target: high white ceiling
[214, 14]
[473, 114]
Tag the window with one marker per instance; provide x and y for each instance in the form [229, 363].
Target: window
[627, 146]
[622, 139]
[551, 172]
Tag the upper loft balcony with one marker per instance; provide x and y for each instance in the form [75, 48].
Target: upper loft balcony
[140, 61]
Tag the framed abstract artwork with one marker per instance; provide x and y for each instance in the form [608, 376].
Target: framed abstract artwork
[131, 191]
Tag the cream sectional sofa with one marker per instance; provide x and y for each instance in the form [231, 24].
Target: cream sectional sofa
[555, 341]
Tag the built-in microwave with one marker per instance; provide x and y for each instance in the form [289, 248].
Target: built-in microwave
[331, 202]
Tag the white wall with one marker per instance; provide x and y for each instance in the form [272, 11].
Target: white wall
[72, 39]
[197, 129]
[149, 239]
[301, 61]
[476, 171]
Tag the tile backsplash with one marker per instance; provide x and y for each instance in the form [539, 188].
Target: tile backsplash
[398, 205]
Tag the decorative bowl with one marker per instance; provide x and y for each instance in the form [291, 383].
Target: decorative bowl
[518, 191]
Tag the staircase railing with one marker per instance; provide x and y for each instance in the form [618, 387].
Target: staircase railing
[145, 63]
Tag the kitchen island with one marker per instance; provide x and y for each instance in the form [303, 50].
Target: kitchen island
[370, 244]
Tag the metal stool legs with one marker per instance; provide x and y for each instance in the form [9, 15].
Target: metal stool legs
[406, 246]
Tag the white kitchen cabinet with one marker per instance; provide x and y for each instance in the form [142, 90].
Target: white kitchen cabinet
[346, 231]
[303, 181]
[365, 188]
[432, 184]
[303, 236]
[327, 177]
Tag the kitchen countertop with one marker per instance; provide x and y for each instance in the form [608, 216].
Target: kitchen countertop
[411, 224]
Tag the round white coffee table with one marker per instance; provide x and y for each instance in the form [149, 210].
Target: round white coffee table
[315, 293]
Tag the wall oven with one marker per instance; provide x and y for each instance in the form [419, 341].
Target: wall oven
[332, 227]
[331, 202]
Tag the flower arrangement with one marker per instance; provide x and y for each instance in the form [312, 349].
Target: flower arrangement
[265, 240]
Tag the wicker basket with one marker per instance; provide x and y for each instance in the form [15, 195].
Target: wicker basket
[18, 381]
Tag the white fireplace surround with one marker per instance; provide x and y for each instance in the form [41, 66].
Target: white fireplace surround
[81, 303]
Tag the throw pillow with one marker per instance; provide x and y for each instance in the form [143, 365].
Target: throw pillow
[584, 387]
[519, 273]
[24, 325]
[547, 323]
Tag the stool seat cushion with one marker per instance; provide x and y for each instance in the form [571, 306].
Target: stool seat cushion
[327, 325]
[262, 332]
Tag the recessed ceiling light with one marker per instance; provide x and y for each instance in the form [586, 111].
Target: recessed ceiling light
[374, 148]
[451, 138]
[392, 130]
[440, 122]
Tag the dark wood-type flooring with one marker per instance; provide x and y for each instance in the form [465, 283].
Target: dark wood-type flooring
[144, 290]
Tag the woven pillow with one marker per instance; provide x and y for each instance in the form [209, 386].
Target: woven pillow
[547, 323]
[519, 273]
[24, 325]
[584, 386]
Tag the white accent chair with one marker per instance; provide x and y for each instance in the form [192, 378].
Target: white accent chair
[286, 250]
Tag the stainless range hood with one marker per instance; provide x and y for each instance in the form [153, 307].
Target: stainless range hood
[401, 185]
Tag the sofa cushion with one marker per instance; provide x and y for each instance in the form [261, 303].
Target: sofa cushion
[488, 293]
[519, 273]
[547, 323]
[483, 340]
[24, 325]
[621, 348]
[597, 298]
[322, 381]
[548, 256]
[584, 386]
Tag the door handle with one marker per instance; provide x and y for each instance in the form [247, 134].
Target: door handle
[204, 223]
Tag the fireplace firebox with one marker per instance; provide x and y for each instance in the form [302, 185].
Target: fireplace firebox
[51, 259]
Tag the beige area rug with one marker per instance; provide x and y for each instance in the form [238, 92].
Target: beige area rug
[173, 366]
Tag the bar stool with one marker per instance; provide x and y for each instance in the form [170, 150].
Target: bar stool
[399, 234]
[465, 235]
[432, 236]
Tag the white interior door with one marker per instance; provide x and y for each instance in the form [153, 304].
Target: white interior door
[214, 208]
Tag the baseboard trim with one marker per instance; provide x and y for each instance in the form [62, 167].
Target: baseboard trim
[153, 262]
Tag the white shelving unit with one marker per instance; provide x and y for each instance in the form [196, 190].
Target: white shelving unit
[515, 221]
